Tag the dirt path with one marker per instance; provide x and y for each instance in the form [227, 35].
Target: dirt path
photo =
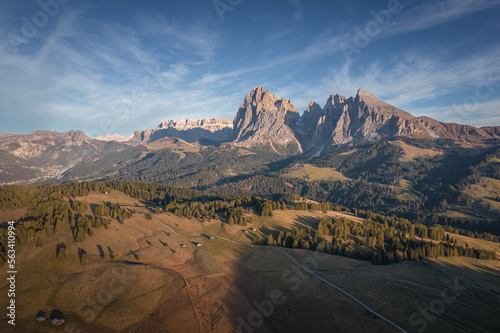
[294, 260]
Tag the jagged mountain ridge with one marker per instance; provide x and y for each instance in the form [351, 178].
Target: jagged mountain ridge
[47, 154]
[265, 119]
[34, 144]
[189, 130]
[262, 121]
[363, 117]
[46, 145]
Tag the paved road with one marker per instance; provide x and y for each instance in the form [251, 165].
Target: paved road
[298, 263]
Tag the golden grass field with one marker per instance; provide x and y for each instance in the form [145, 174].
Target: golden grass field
[411, 153]
[405, 196]
[310, 172]
[454, 213]
[7, 215]
[206, 289]
[486, 193]
[477, 243]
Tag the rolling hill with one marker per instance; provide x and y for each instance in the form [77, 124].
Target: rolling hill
[143, 275]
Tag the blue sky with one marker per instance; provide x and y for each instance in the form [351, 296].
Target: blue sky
[115, 66]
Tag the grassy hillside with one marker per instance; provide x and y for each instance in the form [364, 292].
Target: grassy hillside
[411, 153]
[141, 275]
[486, 193]
[178, 163]
[477, 243]
[310, 172]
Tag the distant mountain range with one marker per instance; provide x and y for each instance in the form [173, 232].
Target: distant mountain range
[263, 121]
[218, 130]
[264, 118]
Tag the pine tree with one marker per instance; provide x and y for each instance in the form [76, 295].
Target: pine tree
[61, 251]
[84, 258]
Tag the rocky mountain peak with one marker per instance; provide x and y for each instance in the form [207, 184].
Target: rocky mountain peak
[359, 118]
[266, 119]
[375, 104]
[335, 104]
[258, 94]
[363, 93]
[309, 120]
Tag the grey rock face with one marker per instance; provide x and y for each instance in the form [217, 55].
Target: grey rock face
[367, 118]
[264, 119]
[189, 130]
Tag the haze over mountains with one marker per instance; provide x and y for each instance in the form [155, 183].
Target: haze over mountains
[262, 120]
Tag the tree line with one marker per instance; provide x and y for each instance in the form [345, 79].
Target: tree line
[379, 243]
[54, 208]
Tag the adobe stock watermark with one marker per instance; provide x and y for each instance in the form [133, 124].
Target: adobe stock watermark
[223, 6]
[122, 106]
[485, 87]
[30, 26]
[363, 36]
[429, 312]
[293, 278]
[89, 310]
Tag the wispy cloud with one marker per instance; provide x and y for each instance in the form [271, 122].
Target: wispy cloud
[273, 37]
[297, 6]
[418, 77]
[479, 114]
[82, 81]
[433, 13]
[80, 69]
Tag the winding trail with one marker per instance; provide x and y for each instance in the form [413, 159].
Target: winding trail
[298, 263]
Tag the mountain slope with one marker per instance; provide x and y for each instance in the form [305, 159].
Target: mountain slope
[177, 162]
[46, 154]
[52, 148]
